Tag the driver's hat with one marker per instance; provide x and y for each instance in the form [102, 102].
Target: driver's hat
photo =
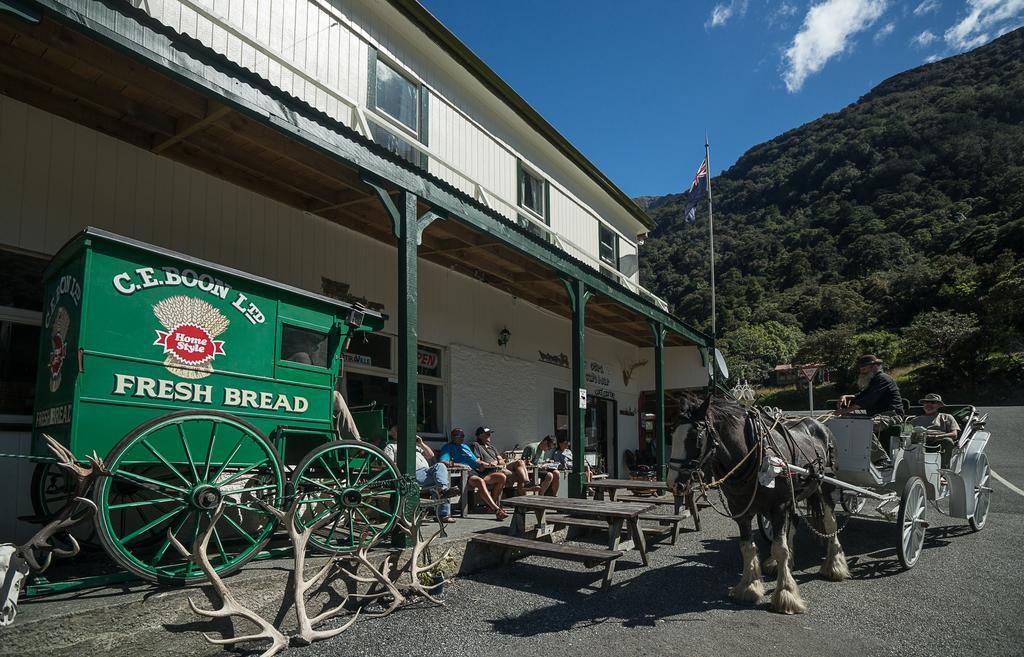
[868, 359]
[931, 397]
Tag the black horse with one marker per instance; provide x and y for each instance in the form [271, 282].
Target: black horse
[719, 439]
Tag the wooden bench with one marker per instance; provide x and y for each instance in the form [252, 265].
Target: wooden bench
[590, 557]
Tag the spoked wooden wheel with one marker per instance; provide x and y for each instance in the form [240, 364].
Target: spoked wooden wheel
[911, 522]
[982, 495]
[181, 467]
[353, 483]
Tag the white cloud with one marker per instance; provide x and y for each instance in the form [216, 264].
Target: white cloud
[721, 14]
[985, 20]
[927, 7]
[886, 30]
[826, 32]
[924, 39]
[932, 58]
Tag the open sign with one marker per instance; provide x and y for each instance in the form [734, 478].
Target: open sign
[426, 359]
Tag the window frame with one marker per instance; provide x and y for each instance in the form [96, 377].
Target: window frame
[280, 361]
[601, 230]
[15, 315]
[405, 133]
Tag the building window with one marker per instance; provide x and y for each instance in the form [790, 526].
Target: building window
[21, 300]
[609, 247]
[562, 417]
[397, 98]
[370, 349]
[533, 200]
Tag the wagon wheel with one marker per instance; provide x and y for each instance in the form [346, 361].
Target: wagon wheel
[353, 482]
[982, 495]
[183, 465]
[911, 522]
[52, 486]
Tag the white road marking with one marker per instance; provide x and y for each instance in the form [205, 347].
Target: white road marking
[1006, 483]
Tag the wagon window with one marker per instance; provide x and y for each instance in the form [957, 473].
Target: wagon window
[299, 345]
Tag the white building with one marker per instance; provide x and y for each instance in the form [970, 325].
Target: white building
[256, 134]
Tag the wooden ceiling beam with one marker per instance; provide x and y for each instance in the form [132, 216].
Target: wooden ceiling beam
[188, 126]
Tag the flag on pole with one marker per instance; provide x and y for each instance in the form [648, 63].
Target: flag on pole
[697, 191]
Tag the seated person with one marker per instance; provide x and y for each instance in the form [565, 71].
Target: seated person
[942, 428]
[488, 455]
[344, 423]
[538, 454]
[563, 458]
[487, 479]
[431, 477]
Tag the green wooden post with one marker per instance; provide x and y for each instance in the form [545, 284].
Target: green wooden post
[578, 297]
[659, 399]
[407, 235]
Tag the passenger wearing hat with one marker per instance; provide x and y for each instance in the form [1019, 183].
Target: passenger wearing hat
[484, 478]
[942, 428]
[879, 393]
[514, 470]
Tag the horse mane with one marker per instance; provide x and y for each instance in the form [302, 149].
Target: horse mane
[721, 410]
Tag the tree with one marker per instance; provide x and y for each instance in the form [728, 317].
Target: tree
[945, 337]
[753, 349]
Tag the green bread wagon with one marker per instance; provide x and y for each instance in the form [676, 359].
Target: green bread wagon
[201, 386]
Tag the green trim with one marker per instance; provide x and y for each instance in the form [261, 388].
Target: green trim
[440, 34]
[547, 202]
[189, 63]
[24, 10]
[659, 400]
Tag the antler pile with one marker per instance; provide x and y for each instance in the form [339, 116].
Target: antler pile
[300, 539]
[228, 605]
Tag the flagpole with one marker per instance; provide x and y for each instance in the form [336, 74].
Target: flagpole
[711, 230]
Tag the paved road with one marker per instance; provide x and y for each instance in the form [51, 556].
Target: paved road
[965, 596]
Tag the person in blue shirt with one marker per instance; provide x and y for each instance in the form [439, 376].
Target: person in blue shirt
[484, 478]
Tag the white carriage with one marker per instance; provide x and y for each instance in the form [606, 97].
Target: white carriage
[914, 477]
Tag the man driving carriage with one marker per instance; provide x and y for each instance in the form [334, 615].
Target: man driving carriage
[879, 398]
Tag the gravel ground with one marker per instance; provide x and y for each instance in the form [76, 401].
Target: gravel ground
[964, 597]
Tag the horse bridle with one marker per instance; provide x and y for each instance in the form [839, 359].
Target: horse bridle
[707, 446]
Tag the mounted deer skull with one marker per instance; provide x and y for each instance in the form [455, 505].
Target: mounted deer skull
[627, 370]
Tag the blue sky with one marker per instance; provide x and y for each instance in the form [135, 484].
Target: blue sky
[634, 84]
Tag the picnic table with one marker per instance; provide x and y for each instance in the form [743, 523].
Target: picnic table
[616, 514]
[611, 487]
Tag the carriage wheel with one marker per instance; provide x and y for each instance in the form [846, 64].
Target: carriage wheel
[911, 522]
[356, 485]
[182, 466]
[982, 495]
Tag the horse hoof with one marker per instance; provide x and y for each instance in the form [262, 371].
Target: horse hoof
[835, 569]
[751, 593]
[785, 601]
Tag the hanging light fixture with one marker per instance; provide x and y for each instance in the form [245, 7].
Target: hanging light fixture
[503, 337]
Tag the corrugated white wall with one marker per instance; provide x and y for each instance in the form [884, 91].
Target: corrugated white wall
[317, 50]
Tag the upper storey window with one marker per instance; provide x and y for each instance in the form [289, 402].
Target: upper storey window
[397, 97]
[403, 103]
[609, 247]
[533, 202]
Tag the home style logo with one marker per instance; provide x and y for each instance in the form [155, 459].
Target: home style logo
[189, 342]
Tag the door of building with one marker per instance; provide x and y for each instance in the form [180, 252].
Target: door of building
[602, 435]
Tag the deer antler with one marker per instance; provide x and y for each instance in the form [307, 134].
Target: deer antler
[300, 538]
[377, 576]
[627, 370]
[415, 568]
[229, 606]
[66, 517]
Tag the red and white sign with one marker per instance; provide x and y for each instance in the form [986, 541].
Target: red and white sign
[809, 371]
[426, 359]
[190, 344]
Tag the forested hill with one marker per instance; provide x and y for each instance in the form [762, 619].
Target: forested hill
[871, 229]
